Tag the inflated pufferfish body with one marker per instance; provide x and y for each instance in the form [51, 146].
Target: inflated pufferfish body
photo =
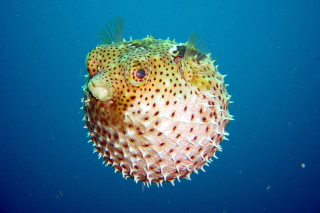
[156, 110]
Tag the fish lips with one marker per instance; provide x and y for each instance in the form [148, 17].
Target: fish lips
[99, 89]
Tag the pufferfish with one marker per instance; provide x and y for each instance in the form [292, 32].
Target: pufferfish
[156, 110]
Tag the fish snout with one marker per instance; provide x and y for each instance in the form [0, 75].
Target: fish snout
[99, 91]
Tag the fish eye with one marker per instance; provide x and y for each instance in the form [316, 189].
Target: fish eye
[139, 75]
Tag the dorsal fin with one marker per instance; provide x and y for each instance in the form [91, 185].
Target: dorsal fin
[112, 32]
[196, 47]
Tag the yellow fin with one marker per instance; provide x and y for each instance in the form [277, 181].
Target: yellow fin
[196, 47]
[197, 66]
[112, 32]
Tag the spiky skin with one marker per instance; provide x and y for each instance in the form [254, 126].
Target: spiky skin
[163, 129]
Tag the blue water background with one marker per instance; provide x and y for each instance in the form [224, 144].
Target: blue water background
[270, 51]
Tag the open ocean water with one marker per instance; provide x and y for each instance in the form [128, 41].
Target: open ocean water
[270, 51]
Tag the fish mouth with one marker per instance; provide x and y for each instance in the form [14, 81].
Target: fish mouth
[100, 92]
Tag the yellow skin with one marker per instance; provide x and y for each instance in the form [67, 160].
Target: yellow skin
[154, 112]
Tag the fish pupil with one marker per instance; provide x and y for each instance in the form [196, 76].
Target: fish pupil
[141, 73]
